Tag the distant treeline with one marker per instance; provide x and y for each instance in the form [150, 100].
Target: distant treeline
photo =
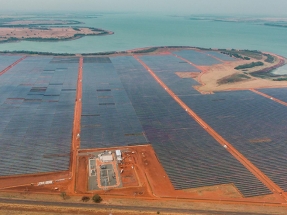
[145, 50]
[40, 39]
[284, 25]
[269, 59]
[236, 55]
[249, 65]
[280, 79]
[36, 53]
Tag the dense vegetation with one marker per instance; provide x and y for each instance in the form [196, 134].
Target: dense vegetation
[242, 54]
[97, 199]
[249, 65]
[85, 198]
[233, 78]
[280, 79]
[232, 54]
[146, 50]
[270, 58]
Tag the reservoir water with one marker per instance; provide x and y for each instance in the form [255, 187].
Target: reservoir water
[138, 30]
[281, 70]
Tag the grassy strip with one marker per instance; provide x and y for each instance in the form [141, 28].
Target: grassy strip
[249, 65]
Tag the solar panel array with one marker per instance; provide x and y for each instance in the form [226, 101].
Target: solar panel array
[220, 56]
[36, 109]
[198, 58]
[168, 63]
[255, 125]
[190, 156]
[278, 93]
[165, 67]
[108, 117]
[6, 60]
[122, 104]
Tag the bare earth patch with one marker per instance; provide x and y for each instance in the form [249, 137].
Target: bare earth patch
[222, 77]
[187, 74]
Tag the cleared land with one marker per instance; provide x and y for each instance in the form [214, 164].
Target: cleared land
[224, 76]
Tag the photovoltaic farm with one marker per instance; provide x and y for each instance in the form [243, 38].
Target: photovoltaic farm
[6, 61]
[108, 117]
[166, 66]
[255, 125]
[219, 55]
[124, 104]
[37, 106]
[198, 58]
[190, 156]
[278, 93]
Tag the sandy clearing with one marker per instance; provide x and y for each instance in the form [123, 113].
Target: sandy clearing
[212, 74]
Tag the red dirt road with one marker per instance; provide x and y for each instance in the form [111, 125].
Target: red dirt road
[14, 64]
[76, 127]
[252, 168]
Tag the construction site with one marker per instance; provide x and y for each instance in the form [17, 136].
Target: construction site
[155, 126]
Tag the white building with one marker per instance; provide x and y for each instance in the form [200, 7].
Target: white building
[119, 155]
[107, 158]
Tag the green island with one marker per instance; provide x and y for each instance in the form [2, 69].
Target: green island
[15, 30]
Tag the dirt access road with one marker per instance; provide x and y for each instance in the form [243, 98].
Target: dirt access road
[64, 207]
